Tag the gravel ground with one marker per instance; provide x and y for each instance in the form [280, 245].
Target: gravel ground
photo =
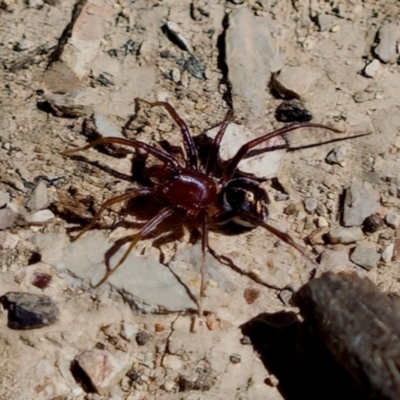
[71, 70]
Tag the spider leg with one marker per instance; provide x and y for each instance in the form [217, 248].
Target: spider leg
[160, 154]
[230, 263]
[285, 237]
[146, 229]
[110, 202]
[204, 247]
[190, 147]
[256, 152]
[214, 150]
[241, 153]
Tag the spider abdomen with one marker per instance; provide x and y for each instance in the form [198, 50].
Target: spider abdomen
[189, 192]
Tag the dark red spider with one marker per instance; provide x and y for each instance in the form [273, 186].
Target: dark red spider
[195, 192]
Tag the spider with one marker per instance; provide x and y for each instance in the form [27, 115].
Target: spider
[196, 192]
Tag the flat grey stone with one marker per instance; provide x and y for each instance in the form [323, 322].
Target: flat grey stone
[142, 281]
[332, 260]
[265, 165]
[389, 35]
[365, 255]
[39, 217]
[360, 202]
[7, 218]
[251, 56]
[4, 198]
[75, 103]
[39, 198]
[105, 127]
[343, 235]
[393, 219]
[300, 79]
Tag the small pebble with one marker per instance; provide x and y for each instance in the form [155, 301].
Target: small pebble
[285, 296]
[361, 201]
[333, 259]
[133, 375]
[102, 368]
[372, 69]
[39, 217]
[174, 32]
[4, 198]
[29, 310]
[318, 236]
[41, 280]
[7, 218]
[159, 327]
[272, 381]
[385, 235]
[169, 386]
[128, 330]
[292, 111]
[35, 3]
[337, 156]
[176, 75]
[39, 198]
[373, 223]
[245, 340]
[335, 28]
[104, 127]
[365, 255]
[235, 358]
[173, 362]
[195, 66]
[311, 204]
[142, 338]
[281, 196]
[322, 222]
[387, 253]
[251, 295]
[125, 384]
[345, 235]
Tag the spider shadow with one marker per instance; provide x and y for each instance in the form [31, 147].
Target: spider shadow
[291, 351]
[143, 208]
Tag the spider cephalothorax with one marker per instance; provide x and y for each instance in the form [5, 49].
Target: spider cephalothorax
[195, 191]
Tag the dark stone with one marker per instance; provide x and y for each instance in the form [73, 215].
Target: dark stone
[235, 358]
[245, 340]
[373, 223]
[292, 111]
[194, 66]
[142, 338]
[28, 310]
[133, 376]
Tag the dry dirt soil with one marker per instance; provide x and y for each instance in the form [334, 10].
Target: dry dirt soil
[72, 71]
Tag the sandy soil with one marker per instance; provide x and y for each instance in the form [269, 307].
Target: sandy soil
[193, 55]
